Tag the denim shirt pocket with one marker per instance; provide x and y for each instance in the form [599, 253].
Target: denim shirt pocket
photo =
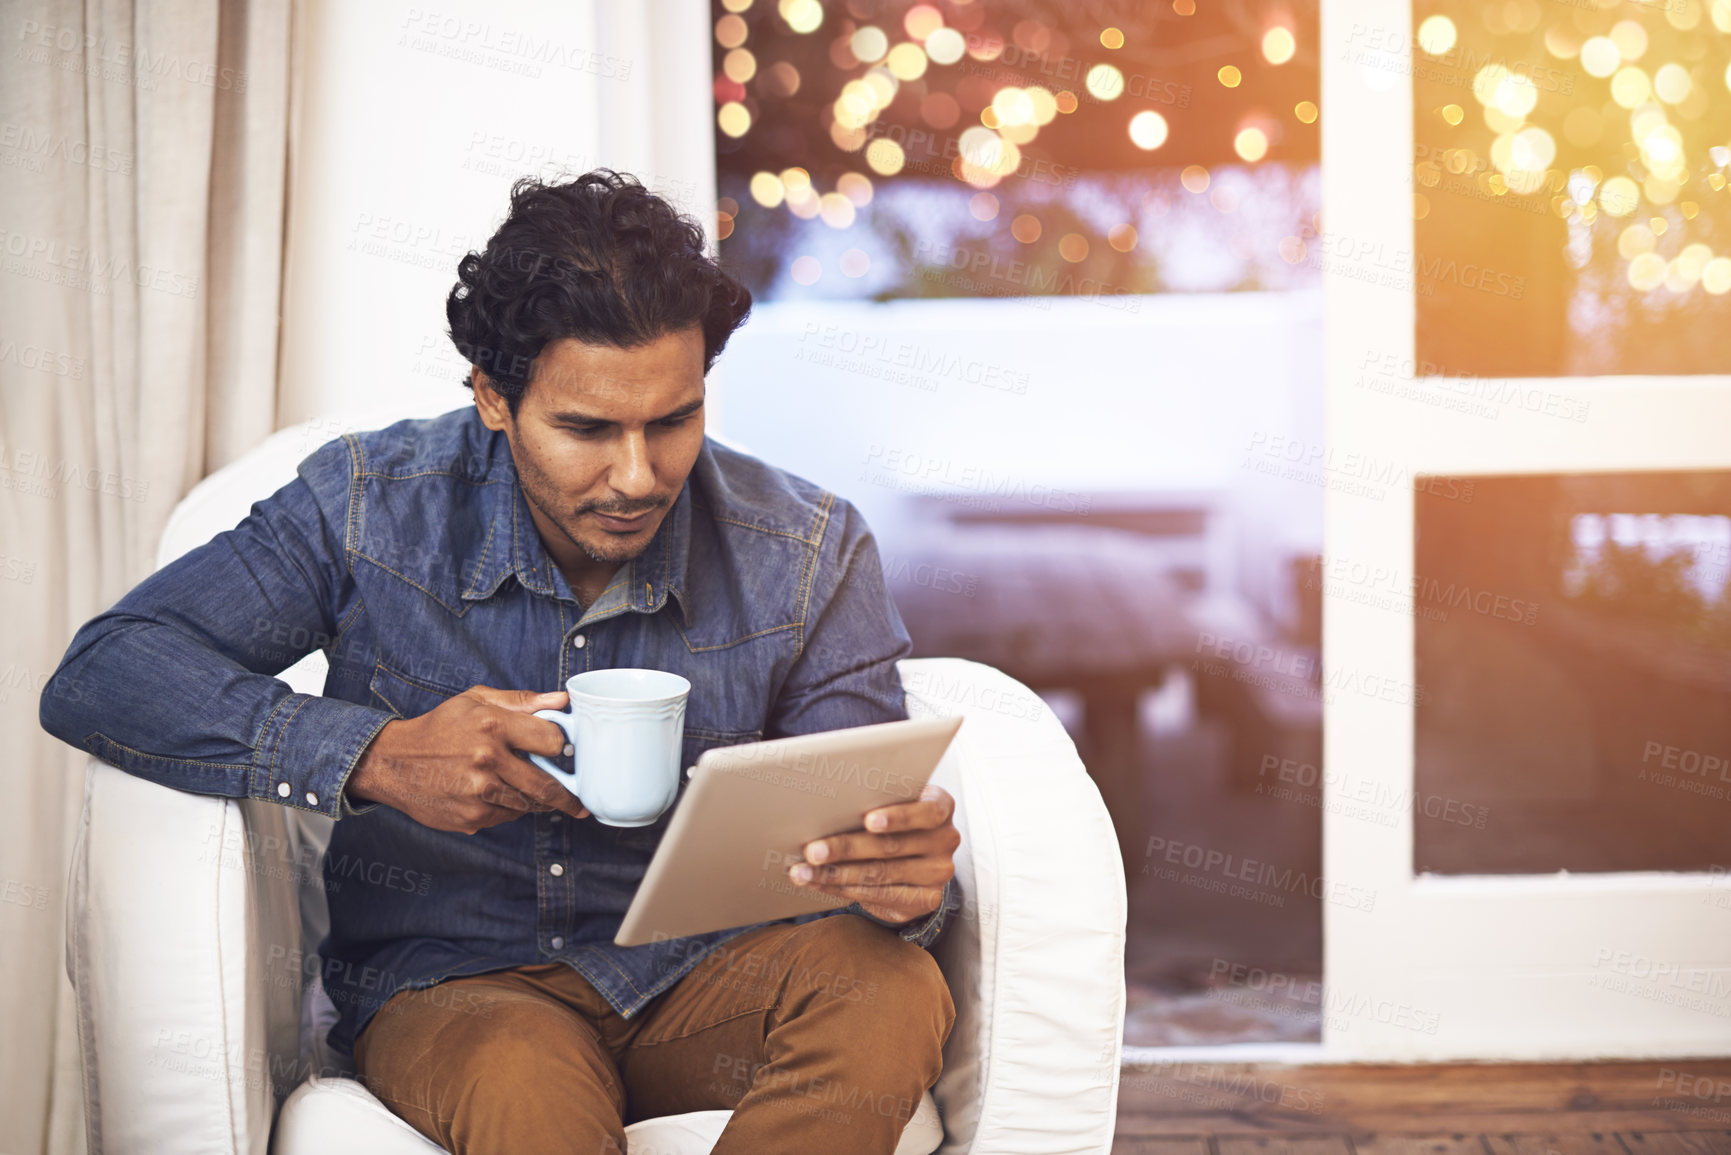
[405, 695]
[694, 743]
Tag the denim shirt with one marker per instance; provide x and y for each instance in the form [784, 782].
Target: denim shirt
[408, 556]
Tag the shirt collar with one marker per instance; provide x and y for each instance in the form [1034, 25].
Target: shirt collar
[513, 546]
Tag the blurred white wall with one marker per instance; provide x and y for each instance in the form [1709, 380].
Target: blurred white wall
[413, 122]
[1048, 397]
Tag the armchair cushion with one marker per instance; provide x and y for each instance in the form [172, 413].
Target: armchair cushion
[335, 1115]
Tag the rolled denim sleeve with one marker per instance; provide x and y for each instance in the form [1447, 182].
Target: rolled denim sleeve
[923, 932]
[174, 683]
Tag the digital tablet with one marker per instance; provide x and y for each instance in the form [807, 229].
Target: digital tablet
[750, 810]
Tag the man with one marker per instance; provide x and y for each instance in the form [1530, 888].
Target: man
[453, 569]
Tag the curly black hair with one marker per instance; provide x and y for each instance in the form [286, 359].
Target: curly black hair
[599, 258]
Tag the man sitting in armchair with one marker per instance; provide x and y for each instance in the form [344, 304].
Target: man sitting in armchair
[575, 518]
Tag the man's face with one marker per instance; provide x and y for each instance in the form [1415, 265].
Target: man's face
[603, 440]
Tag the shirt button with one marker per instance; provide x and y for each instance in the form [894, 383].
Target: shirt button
[556, 870]
[557, 942]
[312, 799]
[282, 789]
[578, 641]
[556, 818]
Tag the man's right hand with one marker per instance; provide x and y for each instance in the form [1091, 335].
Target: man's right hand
[456, 767]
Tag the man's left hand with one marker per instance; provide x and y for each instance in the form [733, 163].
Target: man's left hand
[897, 867]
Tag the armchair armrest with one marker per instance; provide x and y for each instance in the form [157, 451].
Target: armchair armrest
[1035, 961]
[183, 936]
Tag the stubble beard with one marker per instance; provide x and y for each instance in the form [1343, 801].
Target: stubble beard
[532, 481]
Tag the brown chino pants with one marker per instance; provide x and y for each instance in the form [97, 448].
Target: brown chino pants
[820, 1037]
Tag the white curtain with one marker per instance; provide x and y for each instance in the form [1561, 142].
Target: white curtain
[143, 152]
[175, 177]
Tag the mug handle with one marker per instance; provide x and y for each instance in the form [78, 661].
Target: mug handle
[572, 777]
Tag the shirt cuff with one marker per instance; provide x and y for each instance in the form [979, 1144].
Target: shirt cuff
[922, 932]
[309, 747]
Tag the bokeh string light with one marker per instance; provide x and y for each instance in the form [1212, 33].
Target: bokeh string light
[1621, 124]
[992, 98]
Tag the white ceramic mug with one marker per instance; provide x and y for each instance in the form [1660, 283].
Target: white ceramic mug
[626, 728]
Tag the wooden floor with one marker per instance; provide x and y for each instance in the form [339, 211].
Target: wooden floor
[1681, 1107]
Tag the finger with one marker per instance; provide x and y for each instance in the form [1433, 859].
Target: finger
[537, 736]
[579, 811]
[520, 701]
[860, 847]
[493, 815]
[933, 809]
[500, 815]
[883, 872]
[534, 735]
[504, 796]
[540, 787]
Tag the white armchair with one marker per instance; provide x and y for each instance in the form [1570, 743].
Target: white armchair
[193, 922]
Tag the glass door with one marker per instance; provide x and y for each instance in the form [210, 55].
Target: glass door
[1526, 630]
